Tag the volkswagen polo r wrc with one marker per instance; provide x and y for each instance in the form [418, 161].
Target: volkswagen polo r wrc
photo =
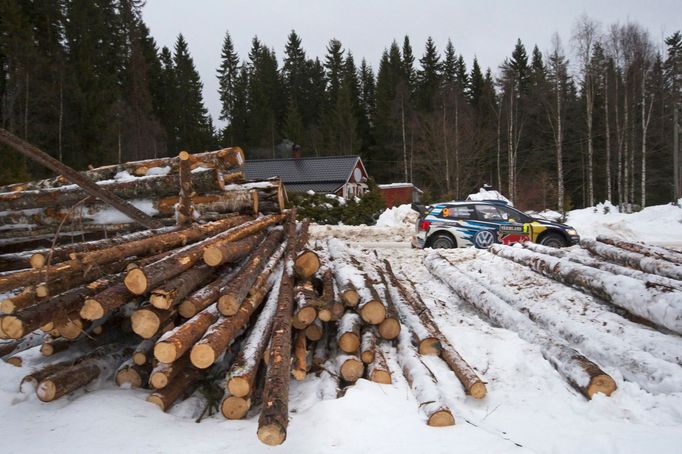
[483, 223]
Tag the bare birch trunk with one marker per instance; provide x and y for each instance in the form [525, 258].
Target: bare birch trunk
[608, 137]
[445, 151]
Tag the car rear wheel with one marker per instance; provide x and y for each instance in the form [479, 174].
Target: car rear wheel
[442, 241]
[554, 240]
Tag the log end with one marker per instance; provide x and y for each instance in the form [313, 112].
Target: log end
[7, 306]
[128, 376]
[202, 356]
[352, 369]
[367, 357]
[307, 263]
[430, 346]
[37, 261]
[15, 361]
[92, 310]
[72, 328]
[213, 256]
[272, 434]
[165, 352]
[157, 380]
[349, 342]
[140, 359]
[601, 383]
[373, 312]
[42, 290]
[239, 386]
[441, 418]
[324, 315]
[350, 297]
[157, 400]
[160, 300]
[381, 376]
[478, 390]
[47, 390]
[298, 374]
[306, 315]
[314, 332]
[136, 281]
[13, 327]
[389, 329]
[145, 323]
[187, 309]
[183, 155]
[233, 407]
[228, 305]
[47, 349]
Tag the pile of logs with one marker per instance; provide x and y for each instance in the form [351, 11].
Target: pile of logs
[242, 298]
[37, 213]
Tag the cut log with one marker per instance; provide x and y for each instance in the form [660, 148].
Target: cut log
[53, 346]
[314, 331]
[389, 328]
[300, 366]
[185, 210]
[163, 373]
[222, 203]
[26, 297]
[377, 369]
[234, 407]
[236, 291]
[305, 300]
[207, 180]
[307, 263]
[133, 375]
[371, 307]
[423, 384]
[578, 370]
[10, 348]
[652, 280]
[634, 260]
[180, 340]
[72, 378]
[230, 251]
[183, 384]
[329, 307]
[659, 307]
[158, 243]
[70, 326]
[143, 352]
[241, 376]
[148, 321]
[205, 296]
[274, 418]
[140, 280]
[655, 252]
[172, 292]
[348, 332]
[221, 334]
[368, 344]
[350, 367]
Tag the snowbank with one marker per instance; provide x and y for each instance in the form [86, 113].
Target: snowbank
[660, 224]
[483, 194]
[399, 216]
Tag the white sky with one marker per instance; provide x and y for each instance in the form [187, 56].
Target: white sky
[486, 29]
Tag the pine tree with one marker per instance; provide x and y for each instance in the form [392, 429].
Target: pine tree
[227, 78]
[193, 130]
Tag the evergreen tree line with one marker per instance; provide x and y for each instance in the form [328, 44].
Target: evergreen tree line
[85, 81]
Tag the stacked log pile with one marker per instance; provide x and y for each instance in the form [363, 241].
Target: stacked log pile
[161, 188]
[243, 298]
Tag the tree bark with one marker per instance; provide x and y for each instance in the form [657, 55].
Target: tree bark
[300, 366]
[377, 369]
[274, 418]
[654, 252]
[175, 343]
[148, 321]
[205, 296]
[633, 260]
[368, 344]
[230, 251]
[185, 209]
[173, 291]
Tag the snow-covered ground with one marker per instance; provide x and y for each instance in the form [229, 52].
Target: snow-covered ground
[529, 406]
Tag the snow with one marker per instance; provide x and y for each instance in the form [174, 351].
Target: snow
[483, 194]
[660, 224]
[113, 216]
[159, 171]
[400, 216]
[529, 407]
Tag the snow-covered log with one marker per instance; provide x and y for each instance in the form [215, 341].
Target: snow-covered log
[578, 370]
[633, 295]
[350, 367]
[633, 259]
[582, 257]
[163, 373]
[377, 369]
[305, 305]
[175, 343]
[241, 376]
[368, 344]
[348, 332]
[648, 250]
[9, 348]
[274, 417]
[133, 375]
[423, 384]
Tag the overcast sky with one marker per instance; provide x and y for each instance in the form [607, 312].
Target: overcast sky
[486, 29]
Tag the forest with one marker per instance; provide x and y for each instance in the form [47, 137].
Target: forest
[595, 117]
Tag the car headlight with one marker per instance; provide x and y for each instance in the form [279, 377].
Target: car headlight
[572, 232]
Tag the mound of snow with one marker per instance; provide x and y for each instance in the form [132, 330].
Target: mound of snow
[399, 216]
[660, 224]
[483, 194]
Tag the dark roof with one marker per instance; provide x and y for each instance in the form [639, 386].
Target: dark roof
[324, 174]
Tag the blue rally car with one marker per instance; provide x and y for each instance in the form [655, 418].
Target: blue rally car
[483, 223]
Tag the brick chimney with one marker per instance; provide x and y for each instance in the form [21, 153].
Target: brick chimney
[296, 152]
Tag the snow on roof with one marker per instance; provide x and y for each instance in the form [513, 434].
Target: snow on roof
[483, 195]
[399, 185]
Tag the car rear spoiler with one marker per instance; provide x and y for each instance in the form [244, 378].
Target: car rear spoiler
[421, 209]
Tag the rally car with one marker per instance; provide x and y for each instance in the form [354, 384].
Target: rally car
[483, 223]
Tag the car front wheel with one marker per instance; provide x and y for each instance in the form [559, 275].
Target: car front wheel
[441, 241]
[553, 240]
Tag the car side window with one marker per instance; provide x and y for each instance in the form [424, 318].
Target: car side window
[489, 213]
[460, 212]
[512, 214]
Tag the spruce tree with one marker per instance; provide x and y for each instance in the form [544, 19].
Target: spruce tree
[477, 83]
[408, 64]
[428, 77]
[227, 78]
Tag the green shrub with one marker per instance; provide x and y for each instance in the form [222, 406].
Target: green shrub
[331, 209]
